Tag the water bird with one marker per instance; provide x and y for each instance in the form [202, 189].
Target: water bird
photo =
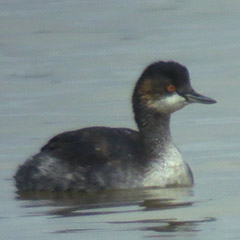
[112, 158]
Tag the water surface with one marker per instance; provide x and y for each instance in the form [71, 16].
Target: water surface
[72, 64]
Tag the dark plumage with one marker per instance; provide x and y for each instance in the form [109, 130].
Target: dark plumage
[102, 157]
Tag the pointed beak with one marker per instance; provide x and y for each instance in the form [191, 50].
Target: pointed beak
[194, 97]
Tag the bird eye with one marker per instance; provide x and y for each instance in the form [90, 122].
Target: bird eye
[171, 88]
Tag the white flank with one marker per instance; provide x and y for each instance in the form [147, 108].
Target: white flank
[168, 170]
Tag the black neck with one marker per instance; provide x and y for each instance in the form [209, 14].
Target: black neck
[154, 130]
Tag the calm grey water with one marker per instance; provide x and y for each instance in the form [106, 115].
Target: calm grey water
[71, 64]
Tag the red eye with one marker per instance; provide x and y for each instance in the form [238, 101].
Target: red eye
[171, 88]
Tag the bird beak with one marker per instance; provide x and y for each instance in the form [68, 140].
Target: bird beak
[194, 97]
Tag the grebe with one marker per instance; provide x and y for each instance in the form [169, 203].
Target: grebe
[104, 157]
